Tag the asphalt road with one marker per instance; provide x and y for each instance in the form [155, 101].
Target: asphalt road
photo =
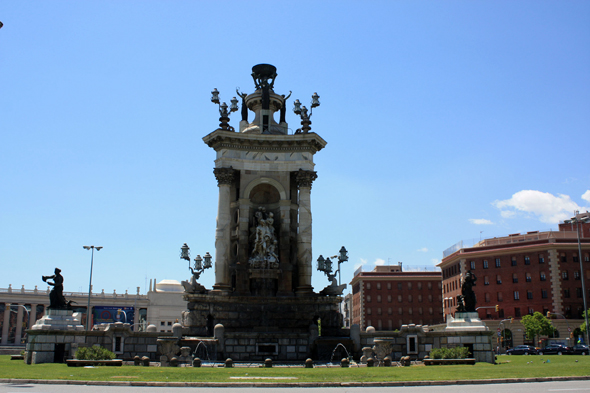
[535, 387]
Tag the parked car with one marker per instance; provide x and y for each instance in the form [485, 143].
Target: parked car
[522, 350]
[580, 349]
[553, 349]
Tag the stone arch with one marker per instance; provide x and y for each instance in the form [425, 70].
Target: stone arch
[265, 180]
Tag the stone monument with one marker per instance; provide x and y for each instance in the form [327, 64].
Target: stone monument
[51, 346]
[263, 300]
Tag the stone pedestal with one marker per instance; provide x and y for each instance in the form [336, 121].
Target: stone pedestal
[465, 321]
[49, 340]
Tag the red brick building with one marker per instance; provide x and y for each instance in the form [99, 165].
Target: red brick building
[387, 298]
[536, 271]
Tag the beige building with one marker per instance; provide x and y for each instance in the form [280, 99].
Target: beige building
[162, 306]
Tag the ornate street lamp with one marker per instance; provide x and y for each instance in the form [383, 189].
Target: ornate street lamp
[325, 265]
[301, 111]
[199, 266]
[223, 110]
[88, 315]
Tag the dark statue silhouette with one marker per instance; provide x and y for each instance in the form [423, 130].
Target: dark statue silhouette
[466, 301]
[56, 296]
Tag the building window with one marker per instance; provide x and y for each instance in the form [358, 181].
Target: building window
[410, 311]
[368, 285]
[389, 311]
[543, 278]
[400, 311]
[531, 311]
[378, 298]
[497, 262]
[388, 285]
[420, 311]
[576, 258]
[498, 279]
[514, 278]
[485, 264]
[579, 292]
[587, 257]
[513, 262]
[528, 277]
[499, 296]
[430, 311]
[486, 280]
[487, 296]
[566, 293]
[564, 275]
[399, 298]
[379, 311]
[162, 323]
[516, 295]
[543, 294]
[563, 258]
[368, 298]
[472, 265]
[388, 298]
[517, 312]
[410, 286]
[576, 275]
[429, 285]
[420, 285]
[369, 311]
[410, 298]
[529, 294]
[541, 258]
[399, 286]
[420, 298]
[430, 298]
[527, 260]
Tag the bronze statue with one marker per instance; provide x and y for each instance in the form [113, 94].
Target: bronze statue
[56, 296]
[466, 301]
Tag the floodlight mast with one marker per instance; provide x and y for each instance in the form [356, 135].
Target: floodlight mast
[97, 248]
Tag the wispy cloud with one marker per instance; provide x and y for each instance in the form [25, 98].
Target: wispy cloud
[548, 208]
[480, 221]
[379, 262]
[435, 261]
[423, 249]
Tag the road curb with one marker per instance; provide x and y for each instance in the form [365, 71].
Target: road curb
[292, 384]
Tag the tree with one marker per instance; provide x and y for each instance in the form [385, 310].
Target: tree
[536, 325]
[583, 325]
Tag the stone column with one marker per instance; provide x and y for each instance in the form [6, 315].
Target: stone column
[242, 278]
[304, 256]
[225, 178]
[19, 325]
[32, 316]
[6, 324]
[286, 265]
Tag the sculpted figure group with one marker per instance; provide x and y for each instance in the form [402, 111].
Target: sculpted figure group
[264, 253]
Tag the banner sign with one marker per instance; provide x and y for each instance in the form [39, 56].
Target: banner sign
[110, 314]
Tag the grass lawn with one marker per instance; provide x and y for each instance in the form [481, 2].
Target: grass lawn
[507, 367]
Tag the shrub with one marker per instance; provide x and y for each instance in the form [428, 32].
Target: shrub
[449, 353]
[94, 353]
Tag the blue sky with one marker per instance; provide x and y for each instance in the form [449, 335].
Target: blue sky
[445, 121]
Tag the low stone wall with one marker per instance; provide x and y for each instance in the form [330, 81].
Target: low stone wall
[261, 346]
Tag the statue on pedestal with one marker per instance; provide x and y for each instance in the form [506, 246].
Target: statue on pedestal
[466, 301]
[56, 296]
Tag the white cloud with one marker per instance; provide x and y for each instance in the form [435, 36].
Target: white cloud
[379, 262]
[423, 249]
[435, 261]
[586, 196]
[363, 262]
[480, 221]
[549, 208]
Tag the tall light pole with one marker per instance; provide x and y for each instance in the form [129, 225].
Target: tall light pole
[90, 284]
[577, 219]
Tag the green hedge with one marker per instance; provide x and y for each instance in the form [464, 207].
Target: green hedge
[94, 353]
[449, 353]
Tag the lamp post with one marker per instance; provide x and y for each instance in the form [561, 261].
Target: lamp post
[98, 248]
[223, 113]
[325, 265]
[577, 219]
[200, 267]
[302, 112]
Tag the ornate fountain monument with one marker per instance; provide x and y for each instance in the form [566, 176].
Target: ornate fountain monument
[263, 304]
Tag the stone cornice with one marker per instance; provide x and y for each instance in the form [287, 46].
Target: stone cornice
[219, 139]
